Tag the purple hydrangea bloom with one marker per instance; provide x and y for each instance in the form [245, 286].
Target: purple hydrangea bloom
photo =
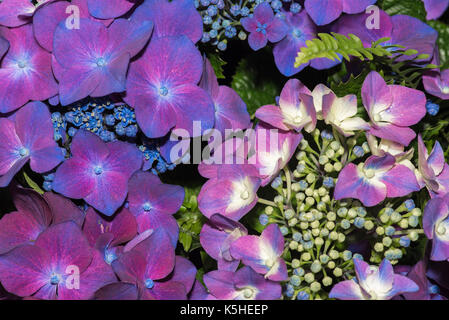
[43, 270]
[163, 89]
[230, 110]
[437, 84]
[149, 265]
[174, 18]
[14, 13]
[153, 203]
[392, 109]
[217, 236]
[324, 12]
[244, 284]
[98, 172]
[371, 182]
[47, 18]
[27, 137]
[232, 193]
[433, 170]
[403, 30]
[264, 253]
[300, 29]
[296, 109]
[93, 60]
[263, 26]
[436, 227]
[373, 283]
[25, 71]
[435, 8]
[107, 235]
[107, 9]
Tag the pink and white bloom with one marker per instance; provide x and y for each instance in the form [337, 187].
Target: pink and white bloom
[295, 112]
[233, 192]
[436, 227]
[373, 283]
[340, 113]
[433, 170]
[318, 93]
[263, 254]
[371, 182]
[437, 84]
[392, 109]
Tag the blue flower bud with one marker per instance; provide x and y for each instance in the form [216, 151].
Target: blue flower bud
[302, 296]
[409, 204]
[404, 241]
[432, 108]
[263, 219]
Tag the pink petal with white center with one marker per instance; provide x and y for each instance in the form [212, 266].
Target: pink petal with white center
[376, 94]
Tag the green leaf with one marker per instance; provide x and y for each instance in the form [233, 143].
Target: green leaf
[253, 87]
[443, 41]
[414, 8]
[33, 185]
[217, 63]
[186, 240]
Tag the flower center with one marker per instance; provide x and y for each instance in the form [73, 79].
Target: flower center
[149, 284]
[98, 170]
[244, 195]
[445, 90]
[297, 33]
[55, 279]
[23, 152]
[369, 173]
[101, 62]
[110, 257]
[261, 28]
[441, 229]
[270, 262]
[21, 64]
[146, 206]
[163, 91]
[248, 293]
[297, 120]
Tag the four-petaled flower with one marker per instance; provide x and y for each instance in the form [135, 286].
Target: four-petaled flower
[436, 227]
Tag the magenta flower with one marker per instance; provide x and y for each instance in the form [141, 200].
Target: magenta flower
[15, 13]
[98, 172]
[93, 60]
[392, 109]
[435, 8]
[274, 149]
[147, 264]
[217, 237]
[106, 236]
[263, 26]
[29, 137]
[230, 110]
[437, 84]
[373, 283]
[49, 268]
[263, 254]
[296, 109]
[153, 203]
[244, 284]
[47, 18]
[324, 12]
[174, 18]
[25, 71]
[436, 227]
[233, 192]
[433, 170]
[371, 182]
[107, 9]
[33, 216]
[163, 89]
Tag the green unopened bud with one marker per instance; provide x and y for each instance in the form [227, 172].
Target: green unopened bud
[301, 154]
[292, 222]
[303, 144]
[331, 216]
[269, 210]
[304, 225]
[351, 142]
[306, 256]
[322, 191]
[315, 232]
[368, 225]
[293, 245]
[413, 236]
[330, 225]
[309, 277]
[380, 231]
[327, 281]
[334, 254]
[387, 241]
[309, 192]
[297, 174]
[328, 167]
[321, 206]
[330, 153]
[300, 196]
[296, 187]
[310, 178]
[315, 267]
[331, 265]
[279, 199]
[323, 160]
[338, 272]
[338, 166]
[324, 258]
[340, 151]
[315, 224]
[324, 233]
[315, 286]
[289, 213]
[342, 212]
[416, 212]
[335, 145]
[395, 217]
[295, 263]
[403, 223]
[310, 201]
[352, 213]
[319, 241]
[333, 235]
[365, 147]
[341, 237]
[384, 218]
[379, 247]
[326, 199]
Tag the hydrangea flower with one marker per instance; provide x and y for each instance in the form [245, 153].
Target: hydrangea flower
[232, 193]
[147, 264]
[106, 236]
[230, 110]
[340, 113]
[318, 94]
[25, 71]
[433, 170]
[296, 109]
[217, 237]
[437, 84]
[163, 88]
[174, 18]
[97, 172]
[373, 283]
[436, 227]
[324, 12]
[263, 26]
[435, 8]
[15, 13]
[153, 203]
[371, 182]
[43, 270]
[244, 284]
[107, 9]
[392, 109]
[27, 137]
[100, 68]
[263, 254]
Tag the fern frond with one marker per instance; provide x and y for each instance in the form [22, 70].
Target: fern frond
[336, 46]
